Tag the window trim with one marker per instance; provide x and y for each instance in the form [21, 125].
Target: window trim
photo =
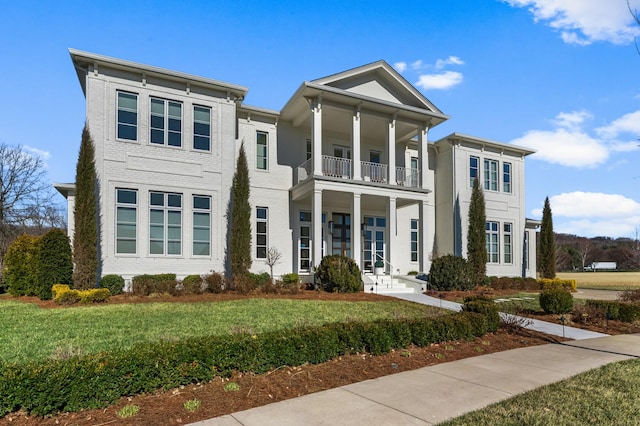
[473, 177]
[134, 207]
[491, 175]
[264, 158]
[507, 243]
[507, 177]
[198, 210]
[118, 124]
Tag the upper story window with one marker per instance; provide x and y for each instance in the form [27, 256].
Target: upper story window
[506, 238]
[506, 177]
[474, 167]
[165, 223]
[490, 175]
[201, 128]
[262, 158]
[127, 116]
[201, 225]
[126, 215]
[166, 122]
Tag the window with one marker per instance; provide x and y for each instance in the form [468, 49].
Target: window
[261, 150]
[506, 238]
[262, 218]
[474, 163]
[126, 213]
[491, 175]
[414, 240]
[127, 116]
[166, 122]
[165, 223]
[506, 177]
[201, 225]
[305, 241]
[492, 242]
[309, 149]
[202, 128]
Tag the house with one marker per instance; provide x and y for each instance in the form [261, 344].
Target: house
[344, 168]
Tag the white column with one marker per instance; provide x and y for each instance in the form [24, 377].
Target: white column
[316, 226]
[391, 150]
[423, 233]
[355, 145]
[316, 134]
[391, 232]
[423, 157]
[356, 233]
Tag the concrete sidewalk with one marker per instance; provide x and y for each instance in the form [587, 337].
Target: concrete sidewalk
[433, 394]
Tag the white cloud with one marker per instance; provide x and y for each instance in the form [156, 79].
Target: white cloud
[416, 65]
[572, 120]
[45, 155]
[400, 66]
[451, 60]
[584, 21]
[593, 214]
[444, 80]
[564, 147]
[628, 123]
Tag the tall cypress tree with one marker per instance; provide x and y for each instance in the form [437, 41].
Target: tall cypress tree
[240, 243]
[85, 237]
[476, 234]
[547, 248]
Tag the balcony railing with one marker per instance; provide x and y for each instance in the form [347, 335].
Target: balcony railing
[336, 167]
[371, 172]
[408, 177]
[374, 172]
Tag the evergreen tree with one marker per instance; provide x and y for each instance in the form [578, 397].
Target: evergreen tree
[85, 238]
[547, 248]
[54, 262]
[476, 235]
[240, 244]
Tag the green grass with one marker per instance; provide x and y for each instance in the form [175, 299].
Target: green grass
[33, 333]
[604, 396]
[528, 301]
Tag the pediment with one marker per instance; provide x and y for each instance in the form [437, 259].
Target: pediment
[378, 81]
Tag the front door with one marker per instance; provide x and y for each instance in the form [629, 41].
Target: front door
[373, 247]
[341, 234]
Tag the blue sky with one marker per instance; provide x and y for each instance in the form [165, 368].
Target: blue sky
[558, 76]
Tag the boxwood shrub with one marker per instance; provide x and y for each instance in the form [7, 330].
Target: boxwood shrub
[556, 301]
[113, 282]
[338, 273]
[623, 311]
[450, 273]
[98, 380]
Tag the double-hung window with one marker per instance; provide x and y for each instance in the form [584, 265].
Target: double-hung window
[493, 255]
[507, 242]
[165, 223]
[201, 225]
[474, 165]
[414, 240]
[166, 122]
[201, 128]
[262, 221]
[262, 158]
[126, 215]
[490, 175]
[127, 116]
[506, 177]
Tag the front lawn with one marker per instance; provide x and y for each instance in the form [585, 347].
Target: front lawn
[604, 396]
[33, 333]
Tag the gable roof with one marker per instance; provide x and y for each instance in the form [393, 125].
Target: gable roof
[378, 80]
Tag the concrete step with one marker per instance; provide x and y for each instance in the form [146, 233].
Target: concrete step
[383, 284]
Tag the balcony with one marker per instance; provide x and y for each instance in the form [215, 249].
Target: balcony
[370, 172]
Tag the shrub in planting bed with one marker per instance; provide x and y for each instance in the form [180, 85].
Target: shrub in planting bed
[338, 274]
[556, 301]
[113, 282]
[616, 310]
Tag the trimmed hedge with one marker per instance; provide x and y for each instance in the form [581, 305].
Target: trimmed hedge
[625, 312]
[63, 295]
[558, 284]
[514, 283]
[556, 301]
[113, 282]
[144, 285]
[98, 380]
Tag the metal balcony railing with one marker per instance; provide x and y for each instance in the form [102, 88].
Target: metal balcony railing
[336, 167]
[408, 177]
[374, 172]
